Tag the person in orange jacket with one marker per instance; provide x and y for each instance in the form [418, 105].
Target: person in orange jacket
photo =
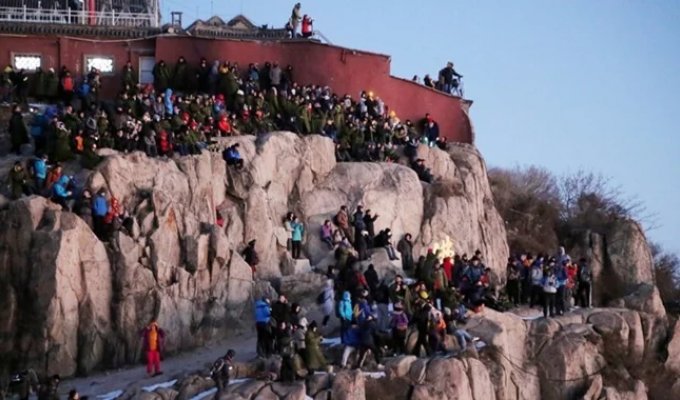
[153, 338]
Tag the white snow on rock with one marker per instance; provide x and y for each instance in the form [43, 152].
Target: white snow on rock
[167, 384]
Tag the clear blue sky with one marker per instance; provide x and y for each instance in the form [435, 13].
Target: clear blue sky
[560, 84]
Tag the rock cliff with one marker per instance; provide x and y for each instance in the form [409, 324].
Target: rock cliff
[70, 303]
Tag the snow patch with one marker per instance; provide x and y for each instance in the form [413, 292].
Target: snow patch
[374, 375]
[331, 342]
[111, 395]
[205, 394]
[161, 385]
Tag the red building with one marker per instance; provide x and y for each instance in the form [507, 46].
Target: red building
[108, 48]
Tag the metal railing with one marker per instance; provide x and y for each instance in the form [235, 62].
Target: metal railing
[80, 17]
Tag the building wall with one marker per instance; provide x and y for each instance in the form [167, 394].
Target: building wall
[344, 70]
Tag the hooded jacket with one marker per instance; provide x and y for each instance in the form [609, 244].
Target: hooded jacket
[345, 307]
[262, 311]
[60, 188]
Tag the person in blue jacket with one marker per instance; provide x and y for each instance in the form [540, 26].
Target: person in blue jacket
[100, 207]
[40, 172]
[298, 230]
[232, 156]
[352, 340]
[561, 297]
[60, 193]
[345, 313]
[263, 312]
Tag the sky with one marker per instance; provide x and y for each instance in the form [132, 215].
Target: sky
[567, 85]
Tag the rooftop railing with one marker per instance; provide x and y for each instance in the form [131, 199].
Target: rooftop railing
[80, 17]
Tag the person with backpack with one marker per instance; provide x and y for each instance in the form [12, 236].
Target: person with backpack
[550, 286]
[585, 279]
[221, 371]
[399, 326]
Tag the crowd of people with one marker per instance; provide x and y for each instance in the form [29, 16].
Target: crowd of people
[556, 283]
[448, 81]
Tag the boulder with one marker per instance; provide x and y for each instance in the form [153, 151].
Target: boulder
[349, 385]
[595, 388]
[399, 367]
[672, 363]
[645, 297]
[459, 208]
[392, 191]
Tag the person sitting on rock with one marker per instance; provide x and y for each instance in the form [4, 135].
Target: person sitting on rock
[61, 193]
[384, 240]
[250, 256]
[327, 234]
[453, 321]
[423, 172]
[341, 220]
[221, 371]
[153, 338]
[232, 156]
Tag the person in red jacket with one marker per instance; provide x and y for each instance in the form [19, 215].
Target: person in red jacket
[153, 338]
[307, 26]
[447, 266]
[224, 126]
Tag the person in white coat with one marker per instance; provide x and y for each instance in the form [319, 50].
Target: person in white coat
[328, 304]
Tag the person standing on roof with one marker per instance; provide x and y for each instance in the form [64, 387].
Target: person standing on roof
[307, 26]
[295, 19]
[449, 78]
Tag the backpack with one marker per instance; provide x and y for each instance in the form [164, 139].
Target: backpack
[584, 274]
[321, 298]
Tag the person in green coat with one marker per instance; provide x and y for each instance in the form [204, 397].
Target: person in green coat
[19, 181]
[161, 76]
[51, 86]
[38, 84]
[129, 79]
[314, 358]
[181, 75]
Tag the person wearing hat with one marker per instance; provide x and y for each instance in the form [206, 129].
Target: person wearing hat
[221, 371]
[399, 326]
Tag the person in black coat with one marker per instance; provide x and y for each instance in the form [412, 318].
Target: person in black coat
[367, 332]
[368, 222]
[281, 310]
[17, 130]
[372, 279]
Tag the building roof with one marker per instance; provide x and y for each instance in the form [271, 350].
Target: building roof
[238, 27]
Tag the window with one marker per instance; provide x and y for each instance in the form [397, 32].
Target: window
[27, 62]
[103, 64]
